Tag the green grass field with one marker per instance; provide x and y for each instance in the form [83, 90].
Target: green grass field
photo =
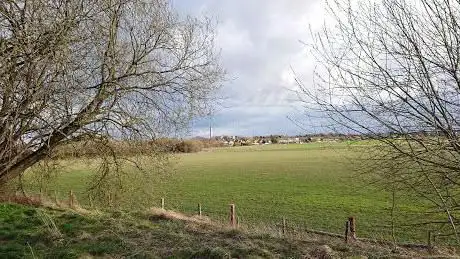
[311, 185]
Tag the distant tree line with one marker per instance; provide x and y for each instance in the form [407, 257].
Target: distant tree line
[133, 148]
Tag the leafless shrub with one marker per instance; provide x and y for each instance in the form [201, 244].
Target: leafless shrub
[189, 146]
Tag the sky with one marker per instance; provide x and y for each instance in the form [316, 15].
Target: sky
[262, 45]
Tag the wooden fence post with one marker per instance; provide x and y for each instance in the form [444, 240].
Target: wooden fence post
[91, 201]
[71, 200]
[232, 215]
[347, 226]
[110, 199]
[429, 240]
[352, 227]
[284, 226]
[199, 209]
[162, 203]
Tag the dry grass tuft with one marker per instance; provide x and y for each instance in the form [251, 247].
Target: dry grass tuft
[158, 214]
[50, 225]
[22, 199]
[45, 202]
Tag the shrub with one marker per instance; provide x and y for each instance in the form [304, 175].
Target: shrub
[189, 146]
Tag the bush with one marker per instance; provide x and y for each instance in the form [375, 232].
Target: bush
[166, 144]
[212, 143]
[189, 146]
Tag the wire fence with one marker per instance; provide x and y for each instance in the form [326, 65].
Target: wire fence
[281, 224]
[415, 235]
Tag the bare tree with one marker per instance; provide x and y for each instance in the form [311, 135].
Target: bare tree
[86, 69]
[390, 70]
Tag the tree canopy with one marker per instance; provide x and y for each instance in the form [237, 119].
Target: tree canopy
[92, 69]
[390, 69]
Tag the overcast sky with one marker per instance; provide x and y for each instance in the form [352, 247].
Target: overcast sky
[260, 40]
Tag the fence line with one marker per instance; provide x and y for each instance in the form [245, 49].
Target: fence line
[350, 230]
[285, 226]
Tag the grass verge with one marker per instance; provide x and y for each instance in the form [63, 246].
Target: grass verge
[34, 232]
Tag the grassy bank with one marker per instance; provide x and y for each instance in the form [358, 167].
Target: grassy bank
[311, 185]
[28, 232]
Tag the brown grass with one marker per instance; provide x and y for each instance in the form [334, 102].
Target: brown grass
[45, 202]
[202, 231]
[158, 214]
[90, 149]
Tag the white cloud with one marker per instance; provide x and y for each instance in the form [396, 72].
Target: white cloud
[260, 41]
[233, 40]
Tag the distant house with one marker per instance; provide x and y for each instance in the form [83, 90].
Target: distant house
[289, 141]
[283, 141]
